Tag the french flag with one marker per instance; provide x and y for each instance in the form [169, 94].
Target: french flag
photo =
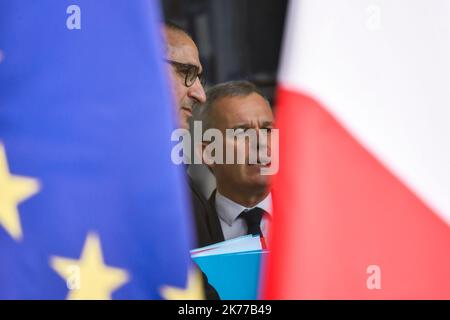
[362, 196]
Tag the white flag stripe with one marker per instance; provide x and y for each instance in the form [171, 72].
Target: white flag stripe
[382, 68]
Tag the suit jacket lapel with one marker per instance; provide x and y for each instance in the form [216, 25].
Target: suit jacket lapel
[215, 222]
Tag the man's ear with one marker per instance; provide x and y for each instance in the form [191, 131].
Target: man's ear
[206, 157]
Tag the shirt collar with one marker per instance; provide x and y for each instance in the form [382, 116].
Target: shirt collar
[228, 210]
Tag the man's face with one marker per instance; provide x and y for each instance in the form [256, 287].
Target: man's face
[242, 113]
[182, 49]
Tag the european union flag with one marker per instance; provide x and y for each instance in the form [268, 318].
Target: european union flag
[91, 205]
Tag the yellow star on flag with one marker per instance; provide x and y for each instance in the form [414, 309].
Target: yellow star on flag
[96, 281]
[13, 190]
[193, 290]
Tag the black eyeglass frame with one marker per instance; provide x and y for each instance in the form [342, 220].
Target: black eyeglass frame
[190, 72]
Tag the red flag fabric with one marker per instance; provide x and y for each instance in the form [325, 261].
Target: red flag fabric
[362, 197]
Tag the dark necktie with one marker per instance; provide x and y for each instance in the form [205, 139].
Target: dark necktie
[253, 219]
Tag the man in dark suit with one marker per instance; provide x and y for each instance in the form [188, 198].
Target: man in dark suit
[187, 84]
[242, 200]
[185, 71]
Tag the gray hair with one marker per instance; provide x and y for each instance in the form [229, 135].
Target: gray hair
[228, 89]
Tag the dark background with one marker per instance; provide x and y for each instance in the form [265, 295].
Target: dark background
[237, 39]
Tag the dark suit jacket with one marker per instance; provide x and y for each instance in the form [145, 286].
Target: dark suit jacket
[208, 230]
[207, 221]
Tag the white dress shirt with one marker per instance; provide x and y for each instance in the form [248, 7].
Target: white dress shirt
[229, 211]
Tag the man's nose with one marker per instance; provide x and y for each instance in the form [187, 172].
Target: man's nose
[264, 146]
[197, 92]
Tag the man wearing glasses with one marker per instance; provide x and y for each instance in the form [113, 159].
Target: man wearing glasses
[186, 75]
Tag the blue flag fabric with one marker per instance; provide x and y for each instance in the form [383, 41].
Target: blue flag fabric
[87, 186]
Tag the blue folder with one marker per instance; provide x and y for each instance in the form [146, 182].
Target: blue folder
[234, 275]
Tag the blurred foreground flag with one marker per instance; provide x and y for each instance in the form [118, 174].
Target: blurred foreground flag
[91, 206]
[362, 198]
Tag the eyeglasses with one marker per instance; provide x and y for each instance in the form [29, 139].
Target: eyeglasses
[190, 72]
